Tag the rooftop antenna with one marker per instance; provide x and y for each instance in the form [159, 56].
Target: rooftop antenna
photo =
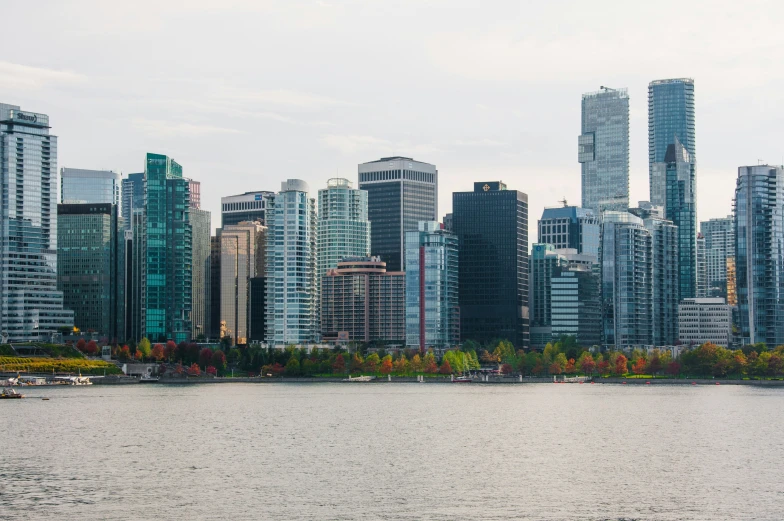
[563, 201]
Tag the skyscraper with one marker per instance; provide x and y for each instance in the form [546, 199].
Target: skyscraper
[670, 117]
[664, 281]
[627, 289]
[544, 262]
[491, 224]
[401, 193]
[702, 268]
[603, 150]
[78, 185]
[291, 266]
[571, 227]
[576, 308]
[201, 226]
[132, 196]
[432, 310]
[343, 226]
[759, 253]
[248, 207]
[719, 247]
[31, 307]
[90, 266]
[167, 236]
[242, 259]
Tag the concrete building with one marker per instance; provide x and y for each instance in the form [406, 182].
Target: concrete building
[432, 310]
[362, 301]
[201, 225]
[78, 185]
[571, 227]
[247, 207]
[31, 306]
[401, 193]
[603, 150]
[702, 320]
[242, 259]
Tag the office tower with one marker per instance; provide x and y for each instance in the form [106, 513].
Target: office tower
[627, 289]
[448, 222]
[242, 259]
[648, 210]
[702, 268]
[571, 227]
[135, 247]
[673, 186]
[31, 307]
[432, 310]
[491, 224]
[362, 301]
[603, 150]
[401, 193]
[194, 187]
[544, 262]
[201, 225]
[702, 320]
[759, 253]
[257, 325]
[167, 235]
[90, 267]
[249, 207]
[670, 117]
[664, 265]
[576, 308]
[291, 266]
[215, 290]
[132, 196]
[343, 226]
[78, 185]
[719, 247]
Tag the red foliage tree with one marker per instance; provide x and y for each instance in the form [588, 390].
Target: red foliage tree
[219, 360]
[125, 352]
[430, 366]
[445, 367]
[555, 368]
[194, 370]
[157, 352]
[673, 369]
[639, 366]
[506, 369]
[604, 367]
[588, 364]
[570, 367]
[621, 365]
[205, 356]
[91, 348]
[211, 370]
[339, 365]
[162, 369]
[655, 365]
[386, 365]
[170, 351]
[80, 344]
[138, 355]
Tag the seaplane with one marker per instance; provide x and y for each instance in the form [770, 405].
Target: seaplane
[76, 380]
[8, 382]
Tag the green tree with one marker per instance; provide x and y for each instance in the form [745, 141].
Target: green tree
[372, 362]
[292, 367]
[145, 348]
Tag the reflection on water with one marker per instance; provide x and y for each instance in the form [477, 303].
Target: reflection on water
[393, 451]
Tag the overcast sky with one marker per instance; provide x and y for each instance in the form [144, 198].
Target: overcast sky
[245, 94]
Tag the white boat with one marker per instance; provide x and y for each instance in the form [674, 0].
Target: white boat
[146, 378]
[359, 379]
[74, 380]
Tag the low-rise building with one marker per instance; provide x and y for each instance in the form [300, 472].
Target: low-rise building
[702, 320]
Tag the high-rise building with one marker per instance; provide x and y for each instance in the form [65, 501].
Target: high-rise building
[576, 308]
[167, 236]
[242, 259]
[343, 226]
[759, 253]
[603, 150]
[673, 186]
[132, 196]
[491, 224]
[247, 207]
[670, 117]
[719, 247]
[201, 226]
[702, 320]
[732, 287]
[544, 262]
[291, 266]
[361, 298]
[432, 310]
[90, 267]
[664, 266]
[627, 289]
[401, 193]
[135, 258]
[257, 327]
[78, 185]
[448, 222]
[702, 268]
[31, 307]
[214, 328]
[571, 227]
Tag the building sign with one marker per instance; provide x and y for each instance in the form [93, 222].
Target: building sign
[30, 118]
[258, 197]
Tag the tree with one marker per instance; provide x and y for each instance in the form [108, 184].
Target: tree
[416, 364]
[655, 363]
[219, 361]
[339, 365]
[401, 365]
[603, 367]
[587, 363]
[157, 352]
[194, 370]
[445, 367]
[91, 348]
[81, 344]
[211, 370]
[555, 368]
[506, 369]
[386, 364]
[144, 347]
[639, 366]
[621, 365]
[560, 359]
[356, 362]
[170, 351]
[430, 363]
[372, 362]
[488, 357]
[125, 352]
[292, 367]
[205, 356]
[570, 367]
[673, 369]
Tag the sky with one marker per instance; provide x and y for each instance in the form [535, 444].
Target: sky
[246, 94]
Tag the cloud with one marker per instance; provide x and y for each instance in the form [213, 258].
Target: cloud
[349, 144]
[159, 128]
[483, 142]
[22, 77]
[281, 97]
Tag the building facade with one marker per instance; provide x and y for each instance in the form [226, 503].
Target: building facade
[432, 309]
[132, 196]
[247, 207]
[31, 306]
[214, 328]
[201, 226]
[401, 193]
[544, 262]
[361, 298]
[719, 247]
[242, 259]
[571, 227]
[78, 185]
[702, 320]
[343, 226]
[576, 308]
[603, 150]
[759, 253]
[291, 266]
[664, 269]
[670, 117]
[491, 224]
[90, 267]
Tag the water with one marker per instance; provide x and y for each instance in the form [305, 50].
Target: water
[393, 452]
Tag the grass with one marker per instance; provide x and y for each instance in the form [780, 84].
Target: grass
[57, 365]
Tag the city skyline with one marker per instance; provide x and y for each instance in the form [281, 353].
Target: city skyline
[519, 121]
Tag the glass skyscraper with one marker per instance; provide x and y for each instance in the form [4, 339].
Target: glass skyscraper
[491, 224]
[576, 308]
[201, 228]
[665, 279]
[719, 246]
[132, 196]
[603, 150]
[78, 185]
[571, 227]
[343, 226]
[759, 253]
[168, 268]
[401, 193]
[670, 117]
[31, 307]
[292, 317]
[544, 262]
[432, 310]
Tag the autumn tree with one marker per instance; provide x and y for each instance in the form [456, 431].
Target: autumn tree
[91, 348]
[416, 364]
[205, 356]
[401, 365]
[356, 363]
[570, 367]
[431, 367]
[603, 367]
[386, 364]
[211, 370]
[621, 364]
[125, 352]
[339, 365]
[81, 344]
[506, 369]
[655, 363]
[372, 362]
[170, 351]
[555, 368]
[219, 361]
[157, 352]
[587, 363]
[638, 367]
[445, 367]
[145, 348]
[194, 369]
[673, 369]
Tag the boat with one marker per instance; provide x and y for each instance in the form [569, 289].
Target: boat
[461, 380]
[10, 394]
[146, 378]
[359, 379]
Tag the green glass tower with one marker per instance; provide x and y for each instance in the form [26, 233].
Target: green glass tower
[168, 252]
